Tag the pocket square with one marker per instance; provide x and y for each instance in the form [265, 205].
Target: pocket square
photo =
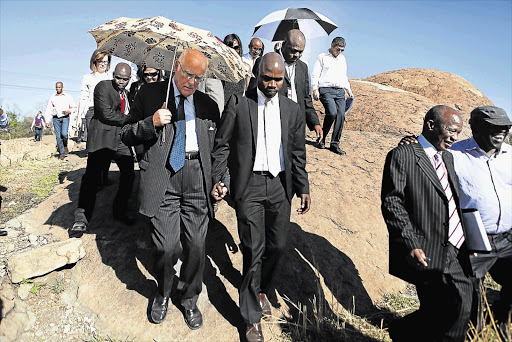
[211, 128]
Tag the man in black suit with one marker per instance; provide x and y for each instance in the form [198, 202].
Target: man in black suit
[175, 175]
[261, 142]
[104, 144]
[420, 204]
[296, 79]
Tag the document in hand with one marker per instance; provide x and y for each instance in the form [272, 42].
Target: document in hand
[476, 236]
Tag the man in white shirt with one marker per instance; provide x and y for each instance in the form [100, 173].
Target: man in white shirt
[255, 50]
[330, 83]
[59, 107]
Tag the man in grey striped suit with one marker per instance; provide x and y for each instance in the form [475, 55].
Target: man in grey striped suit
[420, 204]
[175, 175]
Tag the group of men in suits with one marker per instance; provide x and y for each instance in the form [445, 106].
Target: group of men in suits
[257, 153]
[424, 190]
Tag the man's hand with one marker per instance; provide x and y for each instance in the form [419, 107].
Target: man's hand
[419, 255]
[410, 139]
[316, 95]
[219, 191]
[305, 204]
[162, 116]
[67, 112]
[319, 133]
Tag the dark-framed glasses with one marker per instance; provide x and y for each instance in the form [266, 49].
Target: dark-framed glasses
[340, 49]
[100, 62]
[190, 75]
[151, 74]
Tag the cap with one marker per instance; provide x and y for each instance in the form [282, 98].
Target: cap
[493, 115]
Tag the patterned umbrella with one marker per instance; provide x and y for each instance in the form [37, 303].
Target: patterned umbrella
[157, 42]
[275, 25]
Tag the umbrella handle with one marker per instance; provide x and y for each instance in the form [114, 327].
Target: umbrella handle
[167, 95]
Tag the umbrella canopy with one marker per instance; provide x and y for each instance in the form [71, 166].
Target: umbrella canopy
[157, 42]
[275, 25]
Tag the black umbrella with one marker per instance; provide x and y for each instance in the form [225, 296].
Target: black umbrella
[275, 25]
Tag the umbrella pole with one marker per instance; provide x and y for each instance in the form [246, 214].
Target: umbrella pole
[168, 90]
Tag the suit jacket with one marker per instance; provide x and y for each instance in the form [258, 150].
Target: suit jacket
[415, 208]
[235, 145]
[154, 167]
[308, 112]
[107, 119]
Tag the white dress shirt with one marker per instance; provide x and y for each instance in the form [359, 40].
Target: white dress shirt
[247, 58]
[86, 98]
[191, 144]
[485, 183]
[59, 103]
[290, 71]
[330, 71]
[269, 135]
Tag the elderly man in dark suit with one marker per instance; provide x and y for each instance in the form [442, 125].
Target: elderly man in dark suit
[420, 204]
[175, 175]
[261, 142]
[104, 144]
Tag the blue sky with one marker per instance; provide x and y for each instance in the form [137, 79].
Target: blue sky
[42, 42]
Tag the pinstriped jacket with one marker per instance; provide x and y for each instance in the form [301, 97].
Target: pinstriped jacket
[415, 209]
[155, 170]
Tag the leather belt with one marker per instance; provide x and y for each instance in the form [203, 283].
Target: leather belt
[191, 155]
[263, 173]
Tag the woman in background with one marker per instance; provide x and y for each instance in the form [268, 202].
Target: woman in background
[146, 75]
[99, 64]
[233, 41]
[39, 124]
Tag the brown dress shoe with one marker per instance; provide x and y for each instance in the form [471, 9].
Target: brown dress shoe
[253, 333]
[265, 305]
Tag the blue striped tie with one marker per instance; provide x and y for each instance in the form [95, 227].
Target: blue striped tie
[177, 157]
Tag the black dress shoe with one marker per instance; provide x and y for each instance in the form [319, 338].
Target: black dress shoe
[253, 333]
[336, 149]
[159, 309]
[320, 145]
[193, 318]
[265, 305]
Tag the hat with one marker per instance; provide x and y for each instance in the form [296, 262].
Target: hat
[494, 115]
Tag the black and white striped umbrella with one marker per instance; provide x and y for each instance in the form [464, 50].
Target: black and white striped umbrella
[275, 25]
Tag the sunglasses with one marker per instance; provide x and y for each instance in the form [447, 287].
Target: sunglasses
[236, 47]
[340, 49]
[151, 74]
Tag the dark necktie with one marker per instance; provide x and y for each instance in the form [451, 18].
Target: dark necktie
[177, 157]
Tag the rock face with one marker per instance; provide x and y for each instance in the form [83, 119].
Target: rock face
[440, 87]
[45, 259]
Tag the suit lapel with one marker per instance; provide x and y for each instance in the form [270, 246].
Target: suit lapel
[283, 109]
[427, 168]
[253, 115]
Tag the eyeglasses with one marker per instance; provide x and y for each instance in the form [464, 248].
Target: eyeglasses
[340, 49]
[236, 47]
[122, 78]
[256, 49]
[151, 74]
[190, 75]
[101, 62]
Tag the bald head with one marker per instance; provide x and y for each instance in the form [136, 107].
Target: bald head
[122, 74]
[59, 87]
[442, 126]
[188, 71]
[293, 46]
[255, 47]
[271, 74]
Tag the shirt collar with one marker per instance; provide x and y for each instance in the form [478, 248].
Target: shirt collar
[473, 146]
[262, 98]
[430, 150]
[178, 93]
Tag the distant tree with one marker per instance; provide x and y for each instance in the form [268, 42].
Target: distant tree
[18, 127]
